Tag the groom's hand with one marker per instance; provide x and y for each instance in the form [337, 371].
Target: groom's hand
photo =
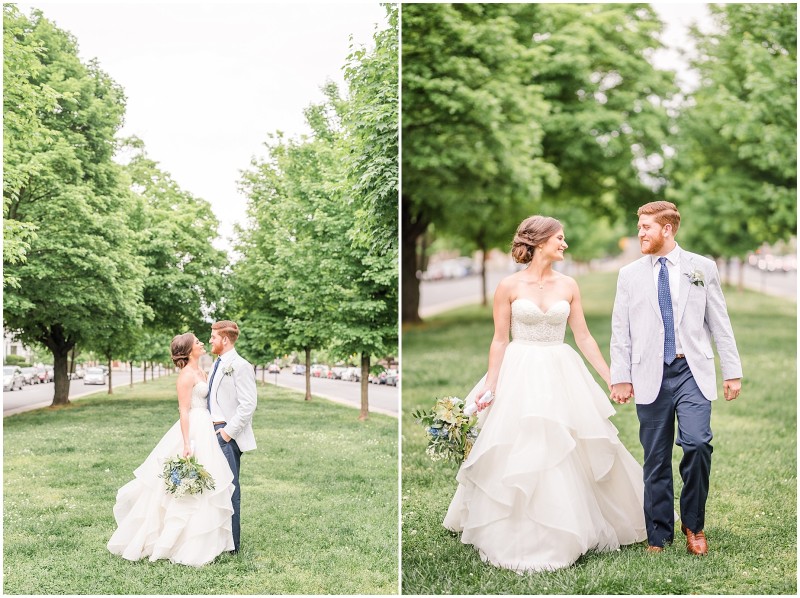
[222, 433]
[621, 393]
[732, 388]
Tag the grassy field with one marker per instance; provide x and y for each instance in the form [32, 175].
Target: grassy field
[751, 518]
[319, 499]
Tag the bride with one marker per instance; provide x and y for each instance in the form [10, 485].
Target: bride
[192, 529]
[547, 479]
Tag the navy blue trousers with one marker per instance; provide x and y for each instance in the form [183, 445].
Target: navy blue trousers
[679, 396]
[234, 456]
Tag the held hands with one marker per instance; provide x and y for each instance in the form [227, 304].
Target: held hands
[731, 388]
[621, 393]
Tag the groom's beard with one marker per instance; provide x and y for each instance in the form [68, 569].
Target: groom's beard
[654, 246]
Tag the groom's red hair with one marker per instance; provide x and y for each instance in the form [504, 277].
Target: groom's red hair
[664, 212]
[227, 329]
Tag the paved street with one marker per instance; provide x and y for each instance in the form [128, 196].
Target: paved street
[382, 399]
[37, 396]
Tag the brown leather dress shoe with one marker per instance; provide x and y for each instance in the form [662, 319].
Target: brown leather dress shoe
[695, 541]
[654, 549]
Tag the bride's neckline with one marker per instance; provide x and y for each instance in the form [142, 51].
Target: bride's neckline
[536, 305]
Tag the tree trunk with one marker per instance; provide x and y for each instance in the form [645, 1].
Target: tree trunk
[60, 346]
[72, 361]
[110, 387]
[412, 231]
[364, 414]
[144, 372]
[308, 374]
[130, 365]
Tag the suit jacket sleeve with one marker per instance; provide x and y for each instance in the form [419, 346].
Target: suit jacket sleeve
[245, 379]
[621, 335]
[720, 326]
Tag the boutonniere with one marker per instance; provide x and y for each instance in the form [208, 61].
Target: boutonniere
[227, 371]
[696, 278]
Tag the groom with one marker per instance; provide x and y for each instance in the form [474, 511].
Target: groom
[231, 402]
[668, 306]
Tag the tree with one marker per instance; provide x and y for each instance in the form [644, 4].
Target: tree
[471, 124]
[81, 271]
[287, 279]
[369, 323]
[186, 274]
[735, 171]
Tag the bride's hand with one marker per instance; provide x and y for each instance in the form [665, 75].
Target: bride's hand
[187, 450]
[478, 403]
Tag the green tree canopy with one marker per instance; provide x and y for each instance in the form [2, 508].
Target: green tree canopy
[735, 171]
[82, 271]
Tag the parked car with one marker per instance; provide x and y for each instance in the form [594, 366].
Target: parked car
[12, 378]
[274, 368]
[298, 369]
[79, 372]
[352, 374]
[336, 373]
[41, 373]
[31, 375]
[374, 378]
[319, 370]
[50, 373]
[391, 377]
[96, 375]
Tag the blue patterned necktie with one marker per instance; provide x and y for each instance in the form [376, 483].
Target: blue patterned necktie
[665, 303]
[210, 382]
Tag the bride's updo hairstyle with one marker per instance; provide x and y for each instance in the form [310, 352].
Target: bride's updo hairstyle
[531, 232]
[181, 348]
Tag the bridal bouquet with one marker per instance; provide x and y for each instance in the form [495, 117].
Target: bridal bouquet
[184, 475]
[450, 432]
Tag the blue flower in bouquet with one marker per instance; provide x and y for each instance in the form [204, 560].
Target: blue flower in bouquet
[184, 475]
[450, 433]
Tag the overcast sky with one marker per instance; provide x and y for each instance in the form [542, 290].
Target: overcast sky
[207, 82]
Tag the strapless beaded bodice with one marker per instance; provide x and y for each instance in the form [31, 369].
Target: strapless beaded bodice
[530, 324]
[199, 396]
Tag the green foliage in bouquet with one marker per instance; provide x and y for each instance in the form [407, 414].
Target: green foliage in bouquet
[184, 475]
[451, 434]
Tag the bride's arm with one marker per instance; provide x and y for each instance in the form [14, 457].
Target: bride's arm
[501, 312]
[185, 385]
[583, 338]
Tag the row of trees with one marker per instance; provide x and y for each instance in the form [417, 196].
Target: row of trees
[105, 252]
[516, 109]
[319, 255]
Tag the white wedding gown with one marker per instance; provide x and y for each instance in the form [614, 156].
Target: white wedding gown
[548, 478]
[192, 529]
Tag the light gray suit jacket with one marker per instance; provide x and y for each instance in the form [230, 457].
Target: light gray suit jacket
[637, 329]
[235, 394]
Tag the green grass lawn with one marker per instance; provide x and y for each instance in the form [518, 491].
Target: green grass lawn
[751, 513]
[319, 499]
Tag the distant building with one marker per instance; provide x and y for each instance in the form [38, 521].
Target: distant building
[11, 346]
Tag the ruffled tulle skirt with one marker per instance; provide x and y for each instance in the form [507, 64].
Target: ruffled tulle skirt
[192, 529]
[548, 478]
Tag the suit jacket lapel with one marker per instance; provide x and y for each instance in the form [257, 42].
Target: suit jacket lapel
[683, 286]
[648, 285]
